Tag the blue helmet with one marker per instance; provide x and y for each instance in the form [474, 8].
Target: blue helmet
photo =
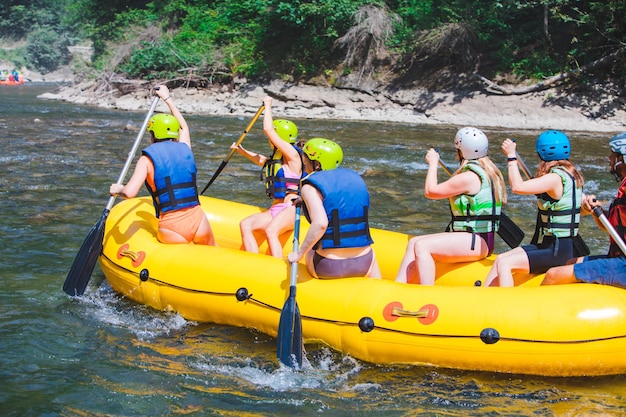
[618, 143]
[553, 145]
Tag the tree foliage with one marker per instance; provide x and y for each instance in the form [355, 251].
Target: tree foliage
[46, 50]
[42, 24]
[304, 38]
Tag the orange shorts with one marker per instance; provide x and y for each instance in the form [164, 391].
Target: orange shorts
[185, 222]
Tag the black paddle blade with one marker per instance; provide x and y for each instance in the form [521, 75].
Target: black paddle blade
[290, 348]
[80, 273]
[219, 169]
[510, 232]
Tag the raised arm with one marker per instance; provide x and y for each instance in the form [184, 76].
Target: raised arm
[549, 183]
[290, 154]
[164, 93]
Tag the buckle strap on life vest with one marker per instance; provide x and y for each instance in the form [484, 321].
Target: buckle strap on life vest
[170, 190]
[571, 226]
[493, 218]
[336, 234]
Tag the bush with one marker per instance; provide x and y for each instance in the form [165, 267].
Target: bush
[152, 60]
[46, 50]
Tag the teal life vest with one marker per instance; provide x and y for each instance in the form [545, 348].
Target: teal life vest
[559, 218]
[479, 213]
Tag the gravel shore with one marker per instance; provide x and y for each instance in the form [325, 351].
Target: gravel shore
[536, 111]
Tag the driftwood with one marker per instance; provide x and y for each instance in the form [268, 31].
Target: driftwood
[549, 82]
[125, 86]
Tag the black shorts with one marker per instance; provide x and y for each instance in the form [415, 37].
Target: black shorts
[551, 252]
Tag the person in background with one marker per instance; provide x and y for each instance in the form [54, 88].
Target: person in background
[476, 193]
[336, 204]
[168, 169]
[609, 269]
[282, 172]
[558, 187]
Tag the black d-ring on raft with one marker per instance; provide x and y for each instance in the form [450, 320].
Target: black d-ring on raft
[366, 324]
[242, 294]
[144, 275]
[489, 336]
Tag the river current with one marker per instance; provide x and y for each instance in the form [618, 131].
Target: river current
[102, 355]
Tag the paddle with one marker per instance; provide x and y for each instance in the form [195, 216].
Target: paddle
[85, 261]
[508, 230]
[232, 151]
[597, 211]
[289, 349]
[522, 164]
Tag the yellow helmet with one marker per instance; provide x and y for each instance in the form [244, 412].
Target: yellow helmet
[286, 130]
[164, 126]
[327, 152]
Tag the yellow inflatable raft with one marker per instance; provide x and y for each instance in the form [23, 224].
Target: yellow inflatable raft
[566, 330]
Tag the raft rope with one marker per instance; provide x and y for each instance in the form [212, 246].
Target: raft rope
[396, 312]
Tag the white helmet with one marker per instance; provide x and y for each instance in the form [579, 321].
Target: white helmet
[472, 143]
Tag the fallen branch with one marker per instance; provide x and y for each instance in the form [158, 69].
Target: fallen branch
[549, 82]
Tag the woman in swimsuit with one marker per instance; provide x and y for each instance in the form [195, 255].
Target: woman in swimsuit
[558, 187]
[168, 169]
[476, 193]
[282, 171]
[338, 242]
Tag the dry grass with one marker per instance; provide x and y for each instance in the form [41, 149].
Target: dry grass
[366, 42]
[453, 44]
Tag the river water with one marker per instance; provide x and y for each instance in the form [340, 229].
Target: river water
[102, 355]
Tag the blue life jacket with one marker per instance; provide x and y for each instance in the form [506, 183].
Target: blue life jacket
[174, 176]
[347, 202]
[277, 186]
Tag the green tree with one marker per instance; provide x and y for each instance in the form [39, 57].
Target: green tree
[46, 50]
[100, 20]
[299, 38]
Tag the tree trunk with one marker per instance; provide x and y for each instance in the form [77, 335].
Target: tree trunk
[549, 82]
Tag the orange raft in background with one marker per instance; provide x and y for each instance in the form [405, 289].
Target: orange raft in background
[10, 80]
[565, 330]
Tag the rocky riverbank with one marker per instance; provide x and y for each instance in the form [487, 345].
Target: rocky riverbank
[536, 111]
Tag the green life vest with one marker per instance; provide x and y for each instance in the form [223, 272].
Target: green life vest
[477, 213]
[560, 218]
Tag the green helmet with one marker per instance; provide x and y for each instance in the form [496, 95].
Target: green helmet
[286, 129]
[327, 152]
[164, 126]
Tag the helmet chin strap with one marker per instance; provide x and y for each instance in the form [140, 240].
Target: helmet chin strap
[614, 169]
[460, 155]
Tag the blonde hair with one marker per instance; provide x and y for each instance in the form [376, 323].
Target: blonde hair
[493, 173]
[545, 167]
